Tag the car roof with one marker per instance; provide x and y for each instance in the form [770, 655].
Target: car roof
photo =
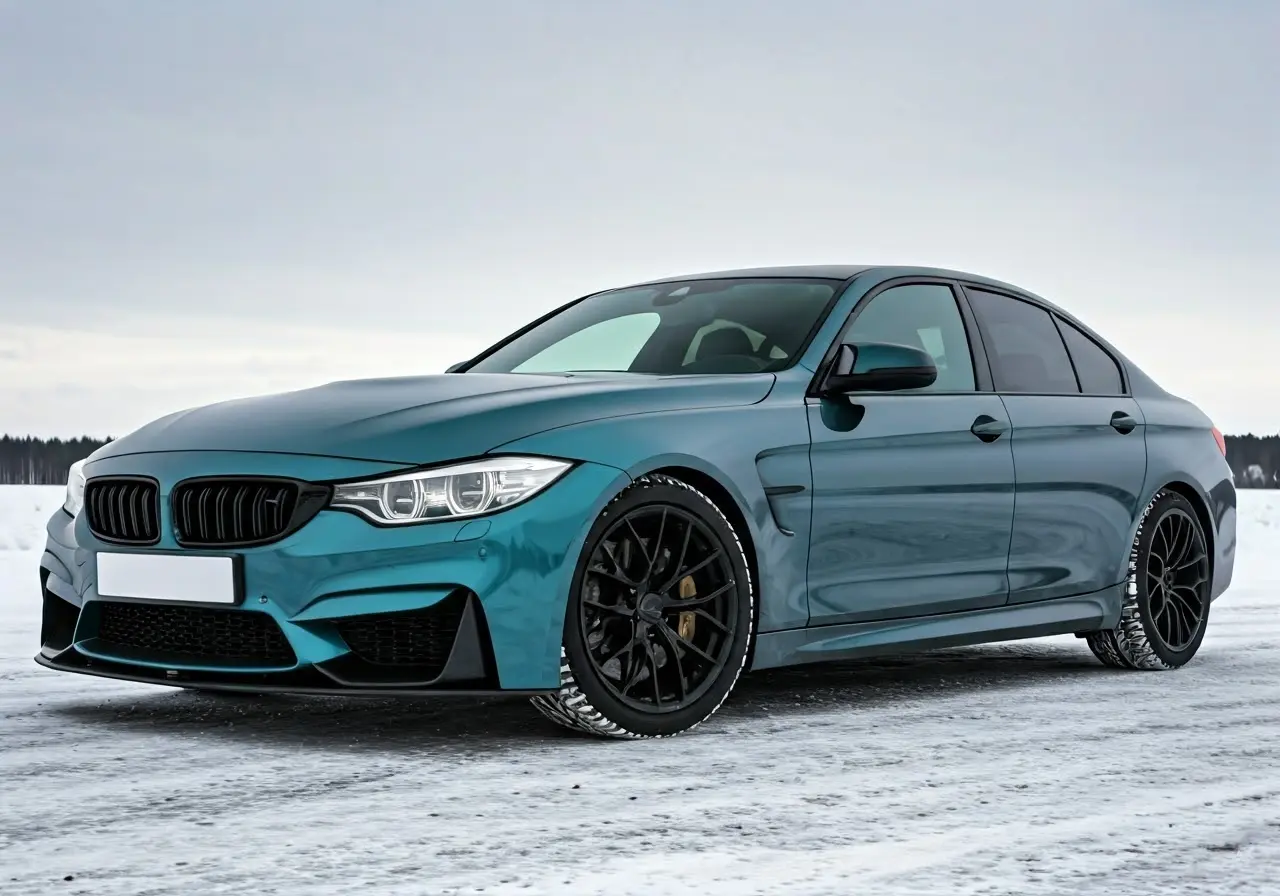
[883, 272]
[848, 271]
[823, 271]
[842, 272]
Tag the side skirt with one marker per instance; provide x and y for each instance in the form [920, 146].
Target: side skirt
[1063, 616]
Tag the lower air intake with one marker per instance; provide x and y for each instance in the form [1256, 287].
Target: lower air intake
[197, 634]
[417, 639]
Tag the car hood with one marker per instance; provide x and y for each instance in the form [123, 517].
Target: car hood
[426, 419]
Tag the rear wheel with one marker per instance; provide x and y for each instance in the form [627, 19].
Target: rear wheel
[1166, 602]
[660, 617]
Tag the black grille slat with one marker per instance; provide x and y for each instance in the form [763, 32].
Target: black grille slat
[122, 510]
[228, 511]
[419, 639]
[201, 634]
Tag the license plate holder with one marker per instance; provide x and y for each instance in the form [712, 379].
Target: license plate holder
[171, 578]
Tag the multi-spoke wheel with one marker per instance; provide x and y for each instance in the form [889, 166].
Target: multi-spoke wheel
[1166, 605]
[660, 618]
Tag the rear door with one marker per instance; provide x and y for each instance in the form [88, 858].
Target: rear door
[1079, 450]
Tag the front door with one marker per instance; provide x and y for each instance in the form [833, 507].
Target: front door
[1078, 448]
[912, 491]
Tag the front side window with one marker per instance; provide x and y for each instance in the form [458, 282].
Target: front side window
[685, 327]
[925, 316]
[1026, 352]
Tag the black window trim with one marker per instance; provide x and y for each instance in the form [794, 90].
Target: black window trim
[1054, 315]
[838, 289]
[982, 375]
[1061, 320]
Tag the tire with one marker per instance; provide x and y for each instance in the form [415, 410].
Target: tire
[667, 679]
[1165, 611]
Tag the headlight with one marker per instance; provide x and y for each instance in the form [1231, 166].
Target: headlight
[75, 489]
[453, 492]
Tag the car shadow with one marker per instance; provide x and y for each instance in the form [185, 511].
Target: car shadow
[492, 724]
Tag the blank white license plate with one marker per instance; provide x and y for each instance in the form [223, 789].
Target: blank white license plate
[202, 580]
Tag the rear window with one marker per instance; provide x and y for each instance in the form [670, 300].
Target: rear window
[1099, 373]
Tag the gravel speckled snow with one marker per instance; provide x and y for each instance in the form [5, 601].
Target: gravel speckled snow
[1020, 768]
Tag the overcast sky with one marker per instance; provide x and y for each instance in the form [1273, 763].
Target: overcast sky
[205, 200]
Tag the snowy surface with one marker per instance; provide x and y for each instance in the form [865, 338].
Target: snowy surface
[1012, 769]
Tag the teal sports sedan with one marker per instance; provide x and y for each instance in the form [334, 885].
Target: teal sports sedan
[622, 506]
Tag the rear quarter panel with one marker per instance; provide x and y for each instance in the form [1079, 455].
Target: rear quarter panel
[1181, 449]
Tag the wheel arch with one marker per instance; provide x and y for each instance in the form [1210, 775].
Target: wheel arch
[724, 499]
[1199, 503]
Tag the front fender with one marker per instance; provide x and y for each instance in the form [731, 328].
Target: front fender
[756, 455]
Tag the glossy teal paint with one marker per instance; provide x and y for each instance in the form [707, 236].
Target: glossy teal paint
[420, 420]
[875, 524]
[855, 640]
[746, 450]
[912, 513]
[339, 564]
[1181, 452]
[1079, 490]
[876, 356]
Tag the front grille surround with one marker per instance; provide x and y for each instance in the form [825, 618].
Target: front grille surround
[214, 636]
[123, 510]
[242, 511]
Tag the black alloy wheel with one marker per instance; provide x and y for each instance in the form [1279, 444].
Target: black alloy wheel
[660, 618]
[1177, 579]
[1166, 602]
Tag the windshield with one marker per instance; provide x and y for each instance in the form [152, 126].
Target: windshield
[687, 326]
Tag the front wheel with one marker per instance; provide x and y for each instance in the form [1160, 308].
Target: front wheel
[660, 617]
[1166, 601]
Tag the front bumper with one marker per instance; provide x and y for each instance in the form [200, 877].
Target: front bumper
[340, 606]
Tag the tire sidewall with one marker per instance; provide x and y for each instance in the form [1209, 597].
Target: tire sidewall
[641, 494]
[1169, 502]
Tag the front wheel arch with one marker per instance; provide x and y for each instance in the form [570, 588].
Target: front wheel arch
[724, 500]
[580, 704]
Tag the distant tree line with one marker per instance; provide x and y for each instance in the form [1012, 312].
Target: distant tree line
[1255, 460]
[31, 461]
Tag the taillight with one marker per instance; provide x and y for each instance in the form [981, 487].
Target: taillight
[1222, 443]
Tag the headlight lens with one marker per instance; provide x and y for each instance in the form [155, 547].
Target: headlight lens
[75, 489]
[453, 492]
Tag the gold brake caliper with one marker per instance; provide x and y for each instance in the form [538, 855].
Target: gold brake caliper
[687, 620]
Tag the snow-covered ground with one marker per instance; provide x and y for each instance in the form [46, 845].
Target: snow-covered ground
[1012, 769]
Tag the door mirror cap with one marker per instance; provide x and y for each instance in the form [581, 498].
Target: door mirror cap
[878, 367]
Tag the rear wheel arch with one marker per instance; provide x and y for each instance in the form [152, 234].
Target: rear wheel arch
[1201, 507]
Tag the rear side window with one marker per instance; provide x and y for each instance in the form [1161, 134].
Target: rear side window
[1098, 372]
[1027, 353]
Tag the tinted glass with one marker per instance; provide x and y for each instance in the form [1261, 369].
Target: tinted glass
[922, 315]
[1026, 352]
[1098, 372]
[690, 326]
[601, 346]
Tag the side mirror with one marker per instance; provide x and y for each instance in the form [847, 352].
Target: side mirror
[454, 368]
[879, 367]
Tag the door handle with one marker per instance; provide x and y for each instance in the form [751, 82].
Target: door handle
[988, 428]
[1123, 423]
